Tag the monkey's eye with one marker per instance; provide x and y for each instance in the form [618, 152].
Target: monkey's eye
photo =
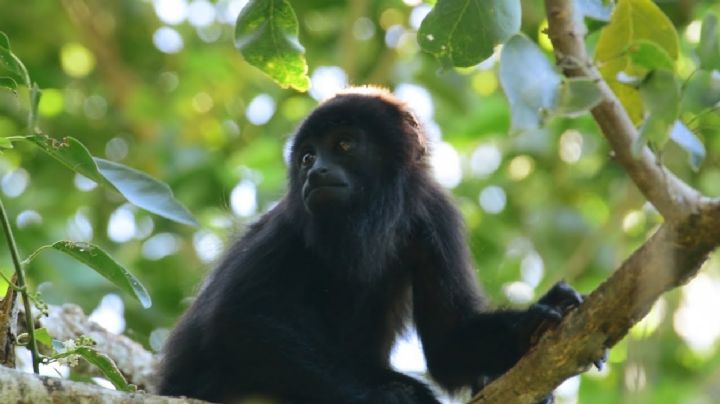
[345, 145]
[307, 159]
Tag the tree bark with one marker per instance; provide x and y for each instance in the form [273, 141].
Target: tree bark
[666, 260]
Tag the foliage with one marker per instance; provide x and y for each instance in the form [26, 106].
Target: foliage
[542, 203]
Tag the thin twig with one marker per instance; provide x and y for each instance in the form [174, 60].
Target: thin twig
[21, 285]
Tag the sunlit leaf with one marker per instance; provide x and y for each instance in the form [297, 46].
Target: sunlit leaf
[708, 49]
[649, 55]
[106, 365]
[97, 259]
[576, 96]
[632, 21]
[145, 191]
[266, 33]
[686, 139]
[530, 92]
[465, 32]
[5, 143]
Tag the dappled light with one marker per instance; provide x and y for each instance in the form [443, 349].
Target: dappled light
[161, 133]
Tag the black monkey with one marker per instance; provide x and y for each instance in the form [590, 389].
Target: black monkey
[305, 307]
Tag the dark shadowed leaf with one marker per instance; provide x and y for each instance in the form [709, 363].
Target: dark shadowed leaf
[576, 96]
[145, 191]
[530, 92]
[708, 49]
[266, 33]
[465, 32]
[97, 259]
[9, 83]
[686, 139]
[8, 61]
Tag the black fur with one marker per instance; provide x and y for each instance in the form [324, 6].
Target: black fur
[306, 306]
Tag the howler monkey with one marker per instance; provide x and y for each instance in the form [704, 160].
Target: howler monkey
[305, 307]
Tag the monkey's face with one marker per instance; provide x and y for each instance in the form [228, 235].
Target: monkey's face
[335, 168]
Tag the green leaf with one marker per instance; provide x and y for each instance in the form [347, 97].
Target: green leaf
[97, 259]
[72, 154]
[660, 92]
[4, 41]
[708, 49]
[530, 92]
[266, 33]
[701, 91]
[465, 32]
[106, 366]
[8, 60]
[145, 191]
[42, 336]
[632, 21]
[649, 55]
[137, 187]
[687, 140]
[8, 83]
[576, 96]
[5, 143]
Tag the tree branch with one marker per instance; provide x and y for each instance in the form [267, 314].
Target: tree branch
[668, 259]
[672, 197]
[20, 387]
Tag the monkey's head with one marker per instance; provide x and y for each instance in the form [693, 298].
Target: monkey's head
[355, 146]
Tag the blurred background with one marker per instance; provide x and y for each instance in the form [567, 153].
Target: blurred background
[158, 85]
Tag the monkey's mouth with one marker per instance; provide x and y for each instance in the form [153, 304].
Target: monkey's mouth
[327, 193]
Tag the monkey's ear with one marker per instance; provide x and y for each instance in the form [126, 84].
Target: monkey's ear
[418, 132]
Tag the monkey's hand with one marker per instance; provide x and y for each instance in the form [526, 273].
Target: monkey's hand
[552, 307]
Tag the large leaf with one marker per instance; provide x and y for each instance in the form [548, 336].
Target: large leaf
[144, 191]
[632, 21]
[97, 259]
[530, 91]
[71, 153]
[266, 33]
[137, 187]
[465, 32]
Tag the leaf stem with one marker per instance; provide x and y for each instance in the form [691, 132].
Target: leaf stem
[21, 286]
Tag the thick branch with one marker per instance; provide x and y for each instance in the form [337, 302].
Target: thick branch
[670, 195]
[669, 258]
[19, 387]
[68, 322]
